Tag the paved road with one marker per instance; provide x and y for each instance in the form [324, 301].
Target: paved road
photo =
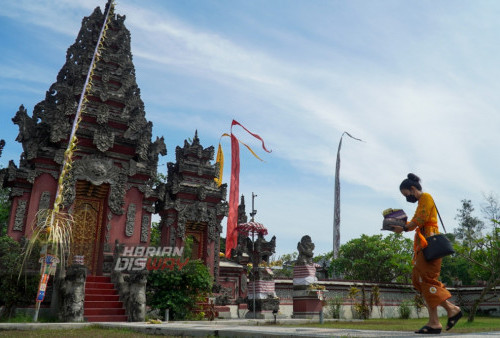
[232, 328]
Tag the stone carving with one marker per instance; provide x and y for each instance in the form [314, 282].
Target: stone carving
[20, 215]
[98, 170]
[145, 228]
[103, 114]
[44, 203]
[136, 300]
[305, 248]
[130, 223]
[103, 138]
[72, 291]
[27, 132]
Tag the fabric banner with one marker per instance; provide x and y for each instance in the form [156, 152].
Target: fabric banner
[234, 191]
[305, 274]
[263, 289]
[232, 217]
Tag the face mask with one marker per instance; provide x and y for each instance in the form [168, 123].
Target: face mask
[411, 198]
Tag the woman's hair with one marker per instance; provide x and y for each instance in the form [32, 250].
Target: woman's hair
[412, 181]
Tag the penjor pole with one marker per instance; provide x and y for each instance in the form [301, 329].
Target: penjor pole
[336, 203]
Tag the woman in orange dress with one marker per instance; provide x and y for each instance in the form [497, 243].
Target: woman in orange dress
[425, 273]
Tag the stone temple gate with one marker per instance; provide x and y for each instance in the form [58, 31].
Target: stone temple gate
[112, 191]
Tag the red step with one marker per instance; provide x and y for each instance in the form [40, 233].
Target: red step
[102, 302]
[100, 292]
[98, 279]
[102, 298]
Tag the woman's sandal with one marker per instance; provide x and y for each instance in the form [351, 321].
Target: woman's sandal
[453, 320]
[428, 330]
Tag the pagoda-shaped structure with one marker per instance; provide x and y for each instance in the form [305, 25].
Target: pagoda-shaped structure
[193, 205]
[110, 189]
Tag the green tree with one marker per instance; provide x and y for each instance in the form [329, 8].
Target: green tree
[469, 227]
[4, 210]
[155, 238]
[179, 290]
[14, 290]
[375, 259]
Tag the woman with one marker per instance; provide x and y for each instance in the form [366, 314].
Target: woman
[426, 273]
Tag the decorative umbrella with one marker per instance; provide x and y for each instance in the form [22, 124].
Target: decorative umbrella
[251, 227]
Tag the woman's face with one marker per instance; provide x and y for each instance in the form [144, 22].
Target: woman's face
[412, 195]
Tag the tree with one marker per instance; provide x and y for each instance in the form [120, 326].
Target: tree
[491, 209]
[4, 210]
[469, 226]
[155, 237]
[179, 290]
[376, 259]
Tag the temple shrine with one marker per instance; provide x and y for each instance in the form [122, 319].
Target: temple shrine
[112, 191]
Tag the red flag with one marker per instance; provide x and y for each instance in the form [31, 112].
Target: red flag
[232, 217]
[234, 191]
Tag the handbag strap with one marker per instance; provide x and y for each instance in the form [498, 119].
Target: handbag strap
[439, 215]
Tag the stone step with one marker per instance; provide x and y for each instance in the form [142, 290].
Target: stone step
[102, 298]
[100, 291]
[95, 319]
[103, 305]
[104, 312]
[98, 279]
[95, 285]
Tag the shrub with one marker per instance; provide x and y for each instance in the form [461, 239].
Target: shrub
[179, 290]
[15, 291]
[405, 309]
[334, 306]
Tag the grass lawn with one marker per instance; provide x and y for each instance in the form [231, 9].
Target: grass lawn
[90, 331]
[480, 324]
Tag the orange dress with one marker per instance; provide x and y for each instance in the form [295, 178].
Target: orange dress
[425, 275]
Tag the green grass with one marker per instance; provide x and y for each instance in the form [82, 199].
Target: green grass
[90, 331]
[480, 324]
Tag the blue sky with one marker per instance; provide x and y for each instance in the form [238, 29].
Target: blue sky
[417, 80]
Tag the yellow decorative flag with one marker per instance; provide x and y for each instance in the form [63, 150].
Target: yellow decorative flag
[220, 161]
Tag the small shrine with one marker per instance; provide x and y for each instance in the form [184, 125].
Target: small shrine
[192, 205]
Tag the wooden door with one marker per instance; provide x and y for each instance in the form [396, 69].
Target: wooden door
[88, 212]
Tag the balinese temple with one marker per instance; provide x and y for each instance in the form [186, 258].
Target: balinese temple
[110, 192]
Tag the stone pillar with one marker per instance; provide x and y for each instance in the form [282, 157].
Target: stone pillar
[72, 293]
[267, 304]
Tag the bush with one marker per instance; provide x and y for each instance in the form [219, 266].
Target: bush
[405, 309]
[334, 306]
[15, 291]
[179, 290]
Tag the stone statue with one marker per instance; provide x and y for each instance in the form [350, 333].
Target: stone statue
[305, 248]
[136, 300]
[72, 292]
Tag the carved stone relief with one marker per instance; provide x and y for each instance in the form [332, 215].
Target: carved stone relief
[97, 171]
[20, 215]
[44, 203]
[130, 223]
[144, 228]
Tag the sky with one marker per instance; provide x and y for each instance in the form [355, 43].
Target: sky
[417, 81]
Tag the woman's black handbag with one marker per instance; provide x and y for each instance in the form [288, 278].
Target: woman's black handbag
[438, 246]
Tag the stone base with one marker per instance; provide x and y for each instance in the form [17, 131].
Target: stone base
[306, 304]
[263, 305]
[223, 312]
[263, 315]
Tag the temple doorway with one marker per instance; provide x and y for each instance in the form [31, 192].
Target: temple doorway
[88, 210]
